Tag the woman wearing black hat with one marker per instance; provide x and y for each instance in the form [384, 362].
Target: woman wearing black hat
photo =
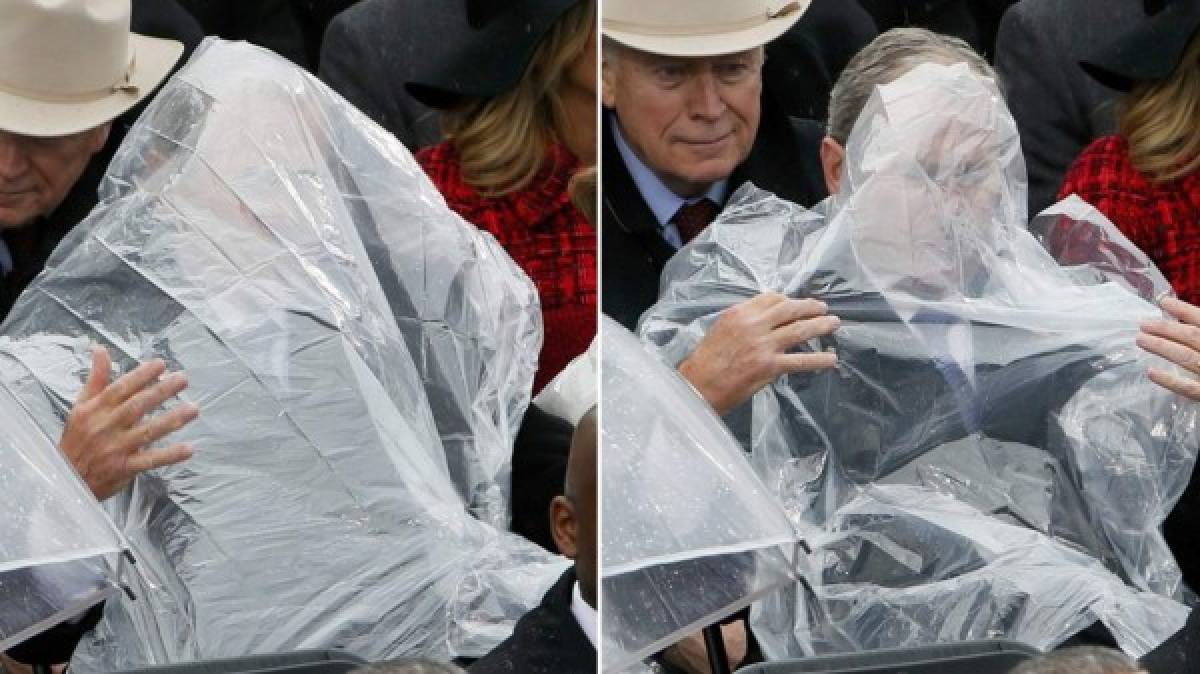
[1147, 178]
[518, 96]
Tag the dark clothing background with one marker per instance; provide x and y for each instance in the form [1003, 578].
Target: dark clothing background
[804, 63]
[539, 473]
[1059, 109]
[784, 159]
[975, 21]
[547, 640]
[31, 246]
[373, 48]
[274, 24]
[314, 17]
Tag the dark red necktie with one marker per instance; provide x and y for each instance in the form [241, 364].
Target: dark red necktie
[691, 219]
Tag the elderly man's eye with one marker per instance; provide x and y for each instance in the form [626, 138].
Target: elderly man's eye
[670, 74]
[732, 72]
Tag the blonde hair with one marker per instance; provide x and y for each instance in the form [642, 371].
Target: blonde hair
[501, 141]
[1158, 119]
[582, 189]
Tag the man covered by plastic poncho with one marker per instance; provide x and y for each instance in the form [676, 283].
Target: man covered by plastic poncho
[988, 460]
[361, 358]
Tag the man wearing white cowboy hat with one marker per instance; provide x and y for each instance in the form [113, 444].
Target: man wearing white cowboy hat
[685, 126]
[67, 70]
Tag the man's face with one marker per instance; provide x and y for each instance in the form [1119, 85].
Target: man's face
[37, 173]
[690, 120]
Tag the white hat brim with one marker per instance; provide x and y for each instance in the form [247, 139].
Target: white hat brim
[706, 44]
[153, 60]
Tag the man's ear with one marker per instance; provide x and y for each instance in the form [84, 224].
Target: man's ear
[832, 158]
[608, 77]
[563, 527]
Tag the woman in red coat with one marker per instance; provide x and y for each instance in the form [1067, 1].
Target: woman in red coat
[1146, 179]
[519, 114]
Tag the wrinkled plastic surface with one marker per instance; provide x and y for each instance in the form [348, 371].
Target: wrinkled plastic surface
[572, 392]
[58, 550]
[360, 356]
[989, 459]
[690, 534]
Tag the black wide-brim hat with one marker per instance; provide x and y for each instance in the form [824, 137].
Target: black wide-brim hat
[1150, 50]
[489, 52]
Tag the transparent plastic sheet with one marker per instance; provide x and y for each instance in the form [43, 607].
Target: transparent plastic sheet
[58, 550]
[973, 366]
[690, 533]
[572, 392]
[353, 347]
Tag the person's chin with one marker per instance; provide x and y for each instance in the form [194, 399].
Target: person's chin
[15, 214]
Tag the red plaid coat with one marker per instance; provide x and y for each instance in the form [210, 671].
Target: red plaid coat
[546, 236]
[1161, 219]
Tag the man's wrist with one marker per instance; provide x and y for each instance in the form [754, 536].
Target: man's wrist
[694, 374]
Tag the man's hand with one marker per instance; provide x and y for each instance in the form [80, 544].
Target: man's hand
[106, 439]
[747, 348]
[1177, 341]
[690, 655]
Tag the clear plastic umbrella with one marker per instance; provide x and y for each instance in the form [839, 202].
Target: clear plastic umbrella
[59, 552]
[690, 534]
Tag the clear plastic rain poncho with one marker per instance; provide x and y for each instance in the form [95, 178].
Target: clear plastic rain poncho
[690, 533]
[59, 552]
[989, 459]
[360, 356]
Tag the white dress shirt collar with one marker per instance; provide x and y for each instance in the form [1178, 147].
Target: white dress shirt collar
[584, 615]
[663, 203]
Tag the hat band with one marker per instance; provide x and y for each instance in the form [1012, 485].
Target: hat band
[701, 29]
[124, 85]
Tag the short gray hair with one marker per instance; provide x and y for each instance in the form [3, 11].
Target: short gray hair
[888, 57]
[1080, 660]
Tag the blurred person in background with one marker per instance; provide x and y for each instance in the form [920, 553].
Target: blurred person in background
[518, 94]
[1146, 178]
[374, 45]
[1059, 109]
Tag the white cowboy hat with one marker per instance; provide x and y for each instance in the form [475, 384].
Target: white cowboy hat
[698, 27]
[71, 65]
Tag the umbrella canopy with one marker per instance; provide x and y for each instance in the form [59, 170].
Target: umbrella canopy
[58, 550]
[989, 431]
[690, 534]
[360, 355]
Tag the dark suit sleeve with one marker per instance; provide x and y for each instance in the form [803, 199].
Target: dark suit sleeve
[1043, 99]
